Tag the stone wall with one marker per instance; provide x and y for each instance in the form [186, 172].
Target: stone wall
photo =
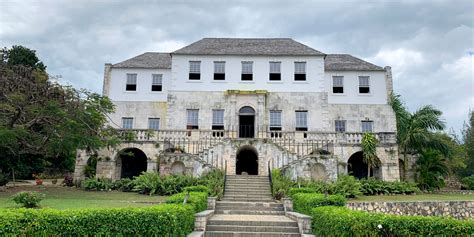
[457, 209]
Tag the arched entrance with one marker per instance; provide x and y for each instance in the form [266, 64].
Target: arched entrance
[131, 162]
[246, 161]
[246, 122]
[358, 168]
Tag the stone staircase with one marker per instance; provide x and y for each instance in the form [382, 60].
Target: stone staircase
[248, 210]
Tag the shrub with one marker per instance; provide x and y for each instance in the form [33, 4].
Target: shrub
[468, 182]
[124, 185]
[305, 202]
[3, 179]
[175, 183]
[197, 199]
[214, 180]
[431, 169]
[372, 186]
[347, 186]
[340, 221]
[293, 191]
[147, 183]
[68, 181]
[161, 220]
[91, 166]
[317, 186]
[198, 188]
[281, 184]
[97, 184]
[28, 199]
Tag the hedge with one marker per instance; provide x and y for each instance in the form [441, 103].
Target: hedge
[197, 199]
[293, 191]
[160, 220]
[305, 202]
[340, 221]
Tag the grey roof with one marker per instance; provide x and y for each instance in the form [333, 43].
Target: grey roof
[147, 60]
[248, 46]
[346, 62]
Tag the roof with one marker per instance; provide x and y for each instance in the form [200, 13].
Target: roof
[248, 46]
[147, 60]
[347, 62]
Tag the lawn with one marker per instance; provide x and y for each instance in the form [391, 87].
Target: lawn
[68, 197]
[417, 197]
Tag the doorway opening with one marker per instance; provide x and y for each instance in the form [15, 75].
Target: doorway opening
[246, 161]
[132, 162]
[246, 122]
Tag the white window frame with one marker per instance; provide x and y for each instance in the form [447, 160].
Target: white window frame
[301, 69]
[192, 117]
[125, 125]
[364, 85]
[275, 67]
[334, 84]
[341, 122]
[131, 80]
[301, 121]
[275, 121]
[194, 66]
[369, 129]
[219, 67]
[217, 117]
[246, 65]
[157, 80]
[154, 119]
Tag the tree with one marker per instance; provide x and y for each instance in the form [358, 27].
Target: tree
[20, 55]
[415, 131]
[431, 169]
[369, 151]
[468, 137]
[43, 122]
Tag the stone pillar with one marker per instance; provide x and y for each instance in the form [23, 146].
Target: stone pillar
[107, 76]
[151, 166]
[388, 80]
[81, 162]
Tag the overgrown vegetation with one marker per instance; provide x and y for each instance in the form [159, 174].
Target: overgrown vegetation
[468, 182]
[305, 202]
[431, 169]
[197, 199]
[28, 199]
[340, 221]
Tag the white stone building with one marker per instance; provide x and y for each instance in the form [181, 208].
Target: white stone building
[248, 105]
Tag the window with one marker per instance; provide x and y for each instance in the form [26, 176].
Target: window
[127, 123]
[275, 71]
[300, 71]
[192, 119]
[131, 82]
[364, 86]
[275, 120]
[217, 119]
[301, 120]
[194, 70]
[337, 84]
[247, 71]
[219, 70]
[367, 126]
[157, 82]
[154, 123]
[340, 125]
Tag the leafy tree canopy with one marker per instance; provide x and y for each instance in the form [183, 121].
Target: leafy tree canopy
[20, 55]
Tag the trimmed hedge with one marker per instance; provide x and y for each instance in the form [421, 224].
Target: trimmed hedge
[198, 188]
[197, 199]
[305, 202]
[340, 221]
[293, 191]
[161, 220]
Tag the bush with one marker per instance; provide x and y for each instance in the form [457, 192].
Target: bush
[68, 181]
[293, 191]
[340, 221]
[152, 183]
[198, 188]
[347, 186]
[372, 186]
[305, 202]
[97, 184]
[197, 199]
[214, 180]
[124, 185]
[3, 179]
[468, 182]
[161, 220]
[91, 166]
[28, 199]
[147, 183]
[281, 184]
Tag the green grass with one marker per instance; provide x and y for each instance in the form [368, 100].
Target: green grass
[67, 198]
[417, 197]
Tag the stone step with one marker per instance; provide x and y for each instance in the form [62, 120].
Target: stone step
[248, 234]
[228, 192]
[248, 199]
[233, 189]
[244, 228]
[271, 204]
[251, 220]
[249, 212]
[250, 195]
[246, 177]
[248, 186]
[256, 208]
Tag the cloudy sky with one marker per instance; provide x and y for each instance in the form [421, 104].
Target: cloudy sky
[429, 44]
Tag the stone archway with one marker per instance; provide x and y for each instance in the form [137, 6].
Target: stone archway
[131, 162]
[318, 172]
[358, 168]
[246, 161]
[177, 168]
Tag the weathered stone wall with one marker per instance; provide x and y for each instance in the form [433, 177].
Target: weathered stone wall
[456, 209]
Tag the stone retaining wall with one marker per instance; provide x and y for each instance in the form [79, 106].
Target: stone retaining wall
[456, 209]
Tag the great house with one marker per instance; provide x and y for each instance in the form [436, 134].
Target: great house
[247, 106]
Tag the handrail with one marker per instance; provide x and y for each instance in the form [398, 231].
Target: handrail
[225, 175]
[270, 178]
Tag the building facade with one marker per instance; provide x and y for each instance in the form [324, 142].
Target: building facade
[248, 106]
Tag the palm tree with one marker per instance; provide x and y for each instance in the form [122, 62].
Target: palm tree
[415, 131]
[369, 151]
[431, 169]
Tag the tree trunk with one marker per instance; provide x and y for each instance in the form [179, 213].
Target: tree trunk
[13, 176]
[404, 164]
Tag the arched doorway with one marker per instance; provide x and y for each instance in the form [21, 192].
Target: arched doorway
[246, 122]
[132, 162]
[246, 161]
[358, 168]
[178, 168]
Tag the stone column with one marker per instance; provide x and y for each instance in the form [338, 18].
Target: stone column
[388, 80]
[107, 75]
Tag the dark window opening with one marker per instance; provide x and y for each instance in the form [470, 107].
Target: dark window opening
[131, 87]
[194, 76]
[217, 127]
[364, 90]
[338, 89]
[246, 162]
[275, 76]
[247, 77]
[300, 77]
[301, 129]
[219, 76]
[191, 127]
[156, 88]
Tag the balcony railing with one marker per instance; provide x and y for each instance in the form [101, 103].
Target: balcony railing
[275, 136]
